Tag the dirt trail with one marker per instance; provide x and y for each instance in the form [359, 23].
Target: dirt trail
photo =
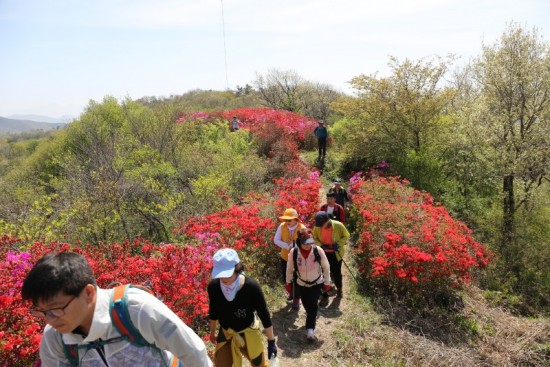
[294, 349]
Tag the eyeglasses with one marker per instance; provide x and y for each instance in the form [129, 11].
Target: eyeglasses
[54, 312]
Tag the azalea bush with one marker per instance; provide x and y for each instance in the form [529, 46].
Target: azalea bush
[279, 135]
[179, 274]
[408, 243]
[256, 120]
[250, 227]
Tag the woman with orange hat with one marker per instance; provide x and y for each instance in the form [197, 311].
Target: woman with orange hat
[285, 238]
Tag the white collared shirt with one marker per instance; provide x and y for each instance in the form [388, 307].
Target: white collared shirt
[156, 323]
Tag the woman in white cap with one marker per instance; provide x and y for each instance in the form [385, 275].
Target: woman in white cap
[233, 301]
[308, 266]
[285, 238]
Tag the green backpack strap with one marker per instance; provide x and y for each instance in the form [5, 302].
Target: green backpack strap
[120, 316]
[71, 353]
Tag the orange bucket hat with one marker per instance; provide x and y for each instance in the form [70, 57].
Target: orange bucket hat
[289, 214]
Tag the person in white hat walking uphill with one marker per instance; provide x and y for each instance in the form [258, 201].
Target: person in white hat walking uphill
[234, 302]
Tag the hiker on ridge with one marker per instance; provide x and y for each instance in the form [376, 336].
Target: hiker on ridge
[340, 193]
[321, 133]
[285, 237]
[332, 236]
[235, 124]
[309, 269]
[80, 329]
[234, 301]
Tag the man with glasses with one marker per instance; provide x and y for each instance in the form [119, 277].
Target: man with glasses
[64, 292]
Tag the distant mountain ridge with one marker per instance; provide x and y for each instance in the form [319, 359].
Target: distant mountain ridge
[14, 126]
[39, 118]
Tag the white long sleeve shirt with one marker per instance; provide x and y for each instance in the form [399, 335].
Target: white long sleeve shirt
[308, 268]
[156, 323]
[278, 236]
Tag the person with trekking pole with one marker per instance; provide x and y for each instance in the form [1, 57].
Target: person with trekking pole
[309, 269]
[237, 303]
[285, 237]
[332, 236]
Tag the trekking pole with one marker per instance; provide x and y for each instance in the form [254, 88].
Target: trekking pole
[353, 276]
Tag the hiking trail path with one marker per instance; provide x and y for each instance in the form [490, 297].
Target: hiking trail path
[289, 325]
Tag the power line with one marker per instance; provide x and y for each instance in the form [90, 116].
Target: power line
[224, 48]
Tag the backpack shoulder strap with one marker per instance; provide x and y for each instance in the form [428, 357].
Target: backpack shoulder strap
[71, 353]
[316, 254]
[120, 316]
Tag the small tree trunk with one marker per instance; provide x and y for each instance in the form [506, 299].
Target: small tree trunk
[508, 218]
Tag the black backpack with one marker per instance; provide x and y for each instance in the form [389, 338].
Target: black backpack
[295, 258]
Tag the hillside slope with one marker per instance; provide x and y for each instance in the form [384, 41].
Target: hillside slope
[12, 126]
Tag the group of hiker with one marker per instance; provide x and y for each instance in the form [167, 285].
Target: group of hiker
[91, 326]
[127, 326]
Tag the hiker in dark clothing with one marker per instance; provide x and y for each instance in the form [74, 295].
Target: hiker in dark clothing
[235, 299]
[321, 133]
[340, 193]
[235, 124]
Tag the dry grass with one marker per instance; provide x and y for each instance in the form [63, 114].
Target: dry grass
[361, 332]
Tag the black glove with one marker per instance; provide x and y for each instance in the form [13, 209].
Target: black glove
[271, 349]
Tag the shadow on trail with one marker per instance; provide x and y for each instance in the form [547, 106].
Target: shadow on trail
[291, 333]
[320, 164]
[332, 311]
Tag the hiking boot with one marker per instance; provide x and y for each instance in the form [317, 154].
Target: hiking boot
[296, 304]
[310, 335]
[324, 300]
[339, 293]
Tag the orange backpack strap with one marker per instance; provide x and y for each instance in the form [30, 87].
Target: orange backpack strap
[121, 317]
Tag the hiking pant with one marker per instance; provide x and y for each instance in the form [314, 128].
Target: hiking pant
[224, 358]
[310, 297]
[335, 269]
[283, 269]
[322, 143]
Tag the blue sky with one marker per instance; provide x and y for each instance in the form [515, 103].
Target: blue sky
[56, 55]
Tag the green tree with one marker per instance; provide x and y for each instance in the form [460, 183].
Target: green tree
[401, 117]
[513, 77]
